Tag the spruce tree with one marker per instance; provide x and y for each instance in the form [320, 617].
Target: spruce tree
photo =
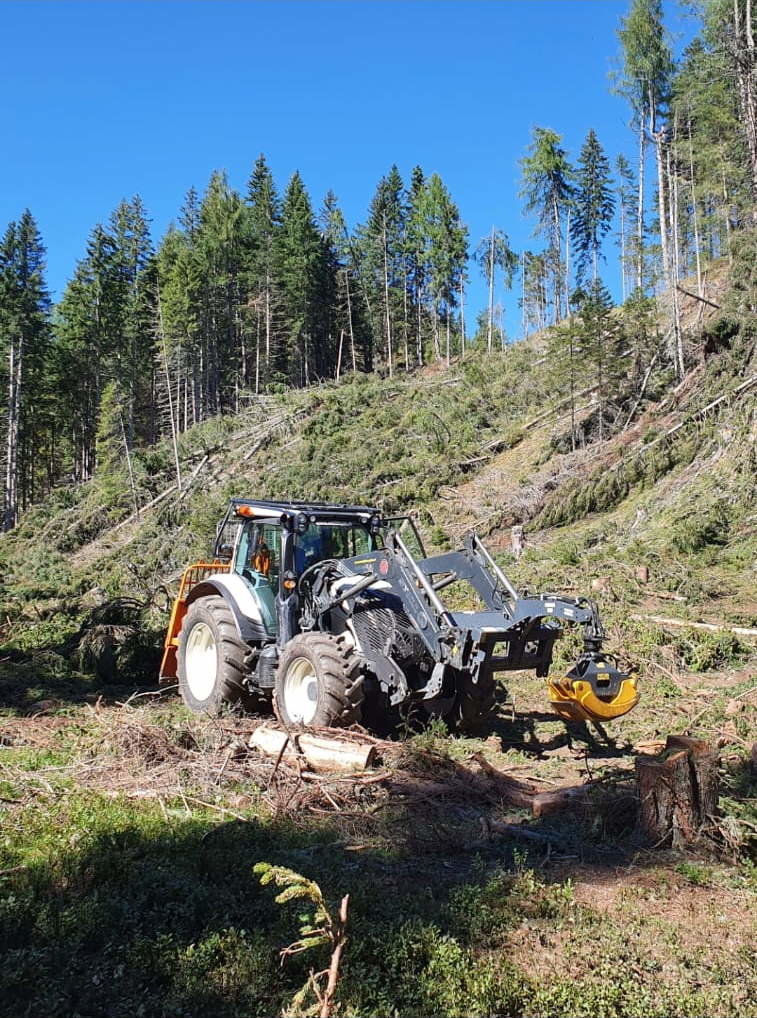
[88, 324]
[593, 205]
[600, 336]
[133, 345]
[24, 336]
[548, 193]
[446, 256]
[264, 219]
[382, 242]
[111, 446]
[300, 259]
[176, 315]
[221, 251]
[416, 255]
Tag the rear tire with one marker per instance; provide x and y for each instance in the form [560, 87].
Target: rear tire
[211, 657]
[318, 683]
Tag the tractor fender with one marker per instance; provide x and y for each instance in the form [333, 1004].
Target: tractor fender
[242, 602]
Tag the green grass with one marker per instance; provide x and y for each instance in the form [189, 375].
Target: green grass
[119, 911]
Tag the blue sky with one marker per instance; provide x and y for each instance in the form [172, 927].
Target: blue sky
[108, 99]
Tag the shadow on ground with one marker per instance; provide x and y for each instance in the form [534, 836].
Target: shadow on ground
[165, 917]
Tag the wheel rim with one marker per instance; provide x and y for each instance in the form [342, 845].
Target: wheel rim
[201, 661]
[301, 691]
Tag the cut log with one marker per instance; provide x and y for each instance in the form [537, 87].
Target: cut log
[322, 754]
[678, 792]
[709, 627]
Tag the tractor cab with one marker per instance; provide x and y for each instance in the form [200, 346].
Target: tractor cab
[263, 540]
[271, 544]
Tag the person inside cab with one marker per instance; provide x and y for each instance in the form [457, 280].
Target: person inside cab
[261, 557]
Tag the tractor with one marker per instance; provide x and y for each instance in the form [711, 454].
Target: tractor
[332, 615]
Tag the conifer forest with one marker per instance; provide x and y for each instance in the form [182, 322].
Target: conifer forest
[253, 290]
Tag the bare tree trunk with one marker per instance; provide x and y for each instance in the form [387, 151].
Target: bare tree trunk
[676, 244]
[673, 248]
[567, 265]
[745, 63]
[491, 293]
[448, 349]
[557, 254]
[404, 318]
[600, 387]
[726, 200]
[623, 250]
[695, 214]
[15, 380]
[267, 326]
[462, 320]
[174, 438]
[640, 206]
[418, 296]
[386, 305]
[572, 391]
[339, 358]
[257, 351]
[658, 137]
[129, 466]
[349, 319]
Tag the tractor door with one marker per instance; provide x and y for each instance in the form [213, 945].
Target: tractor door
[258, 560]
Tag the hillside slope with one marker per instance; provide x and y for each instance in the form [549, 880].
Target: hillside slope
[131, 827]
[482, 444]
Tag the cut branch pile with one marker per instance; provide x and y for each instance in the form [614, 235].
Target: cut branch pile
[363, 782]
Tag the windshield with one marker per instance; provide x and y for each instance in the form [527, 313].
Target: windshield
[258, 553]
[330, 540]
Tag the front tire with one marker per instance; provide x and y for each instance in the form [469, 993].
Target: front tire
[317, 682]
[211, 657]
[474, 704]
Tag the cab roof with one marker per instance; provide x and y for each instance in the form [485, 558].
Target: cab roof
[264, 508]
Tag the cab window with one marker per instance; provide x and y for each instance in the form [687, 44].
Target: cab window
[330, 540]
[259, 552]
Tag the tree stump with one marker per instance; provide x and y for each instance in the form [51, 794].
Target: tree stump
[642, 574]
[516, 541]
[678, 792]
